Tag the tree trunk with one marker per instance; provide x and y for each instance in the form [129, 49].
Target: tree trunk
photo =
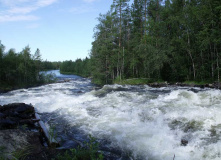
[217, 63]
[191, 57]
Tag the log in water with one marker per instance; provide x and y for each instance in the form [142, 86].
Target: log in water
[138, 121]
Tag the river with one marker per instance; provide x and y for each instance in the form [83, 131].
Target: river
[130, 122]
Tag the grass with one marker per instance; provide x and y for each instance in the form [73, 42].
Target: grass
[136, 81]
[196, 82]
[133, 81]
[18, 154]
[88, 152]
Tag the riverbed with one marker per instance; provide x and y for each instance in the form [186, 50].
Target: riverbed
[130, 122]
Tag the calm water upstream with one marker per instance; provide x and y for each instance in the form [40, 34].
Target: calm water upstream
[131, 122]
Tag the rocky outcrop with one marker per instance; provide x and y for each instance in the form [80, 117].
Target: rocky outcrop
[215, 85]
[20, 134]
[15, 115]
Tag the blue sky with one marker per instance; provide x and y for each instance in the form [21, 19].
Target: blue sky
[61, 29]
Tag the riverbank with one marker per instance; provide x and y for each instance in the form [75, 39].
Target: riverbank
[158, 84]
[20, 134]
[24, 136]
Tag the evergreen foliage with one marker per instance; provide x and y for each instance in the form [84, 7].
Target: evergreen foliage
[77, 67]
[18, 70]
[171, 40]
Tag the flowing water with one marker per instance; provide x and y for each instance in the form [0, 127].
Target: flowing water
[130, 122]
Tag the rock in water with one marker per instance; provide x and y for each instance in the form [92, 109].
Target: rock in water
[184, 142]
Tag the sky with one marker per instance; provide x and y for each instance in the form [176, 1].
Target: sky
[61, 29]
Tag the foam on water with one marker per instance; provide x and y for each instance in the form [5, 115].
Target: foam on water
[145, 122]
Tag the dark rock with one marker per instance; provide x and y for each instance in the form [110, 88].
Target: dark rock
[11, 113]
[217, 85]
[200, 86]
[25, 116]
[193, 90]
[7, 123]
[17, 107]
[184, 142]
[2, 115]
[24, 108]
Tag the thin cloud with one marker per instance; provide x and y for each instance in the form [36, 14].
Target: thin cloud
[82, 9]
[19, 10]
[8, 18]
[89, 1]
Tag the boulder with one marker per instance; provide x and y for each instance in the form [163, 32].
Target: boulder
[184, 142]
[7, 123]
[2, 115]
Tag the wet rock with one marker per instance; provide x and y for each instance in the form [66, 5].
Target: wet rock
[7, 123]
[184, 142]
[17, 107]
[16, 114]
[2, 115]
[158, 85]
[25, 116]
[199, 86]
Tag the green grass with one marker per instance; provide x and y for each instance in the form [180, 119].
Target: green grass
[196, 82]
[89, 152]
[18, 154]
[133, 81]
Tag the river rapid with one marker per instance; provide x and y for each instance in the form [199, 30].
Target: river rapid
[130, 122]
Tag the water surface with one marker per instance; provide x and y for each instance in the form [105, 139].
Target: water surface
[131, 122]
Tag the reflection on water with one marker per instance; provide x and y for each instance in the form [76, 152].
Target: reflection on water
[137, 122]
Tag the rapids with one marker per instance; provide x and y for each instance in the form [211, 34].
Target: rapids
[130, 122]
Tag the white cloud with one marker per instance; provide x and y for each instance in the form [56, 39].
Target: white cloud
[44, 3]
[89, 1]
[9, 18]
[82, 9]
[19, 10]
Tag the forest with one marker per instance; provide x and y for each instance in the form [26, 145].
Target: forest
[22, 69]
[171, 40]
[78, 67]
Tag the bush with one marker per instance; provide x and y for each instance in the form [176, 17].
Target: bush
[89, 152]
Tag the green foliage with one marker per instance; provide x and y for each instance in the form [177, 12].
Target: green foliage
[18, 70]
[133, 81]
[52, 133]
[20, 154]
[197, 82]
[173, 41]
[46, 65]
[89, 152]
[78, 67]
[2, 153]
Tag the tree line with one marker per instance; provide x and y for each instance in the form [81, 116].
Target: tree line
[171, 40]
[22, 69]
[81, 67]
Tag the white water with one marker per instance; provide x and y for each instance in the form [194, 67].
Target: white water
[144, 122]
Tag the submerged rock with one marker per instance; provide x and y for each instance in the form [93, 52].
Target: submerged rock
[184, 142]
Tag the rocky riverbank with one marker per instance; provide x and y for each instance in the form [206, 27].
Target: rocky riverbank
[214, 85]
[21, 136]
